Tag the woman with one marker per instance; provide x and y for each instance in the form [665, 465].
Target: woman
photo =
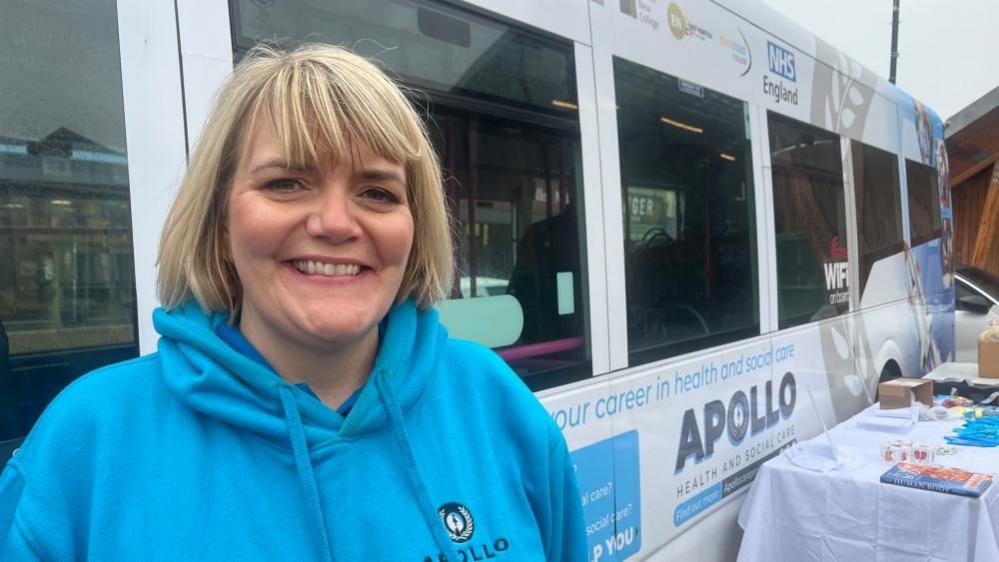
[305, 402]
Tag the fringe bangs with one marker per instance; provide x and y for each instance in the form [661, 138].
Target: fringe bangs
[317, 115]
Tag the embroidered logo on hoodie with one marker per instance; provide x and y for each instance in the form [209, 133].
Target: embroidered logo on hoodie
[458, 521]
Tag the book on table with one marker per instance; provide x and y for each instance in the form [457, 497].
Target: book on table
[938, 479]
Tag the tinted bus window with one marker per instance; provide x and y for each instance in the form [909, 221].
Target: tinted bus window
[687, 189]
[924, 202]
[428, 45]
[878, 206]
[66, 283]
[516, 192]
[810, 222]
[502, 116]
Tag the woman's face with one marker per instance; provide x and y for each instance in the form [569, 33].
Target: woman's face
[320, 253]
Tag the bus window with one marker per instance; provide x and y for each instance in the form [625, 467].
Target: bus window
[924, 202]
[878, 206]
[429, 45]
[515, 190]
[810, 222]
[67, 290]
[687, 189]
[502, 116]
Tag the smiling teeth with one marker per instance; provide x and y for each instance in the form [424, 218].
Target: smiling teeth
[310, 267]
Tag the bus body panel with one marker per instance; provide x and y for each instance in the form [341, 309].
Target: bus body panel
[840, 360]
[681, 439]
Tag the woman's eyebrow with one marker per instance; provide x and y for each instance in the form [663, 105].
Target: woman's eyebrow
[283, 165]
[374, 174]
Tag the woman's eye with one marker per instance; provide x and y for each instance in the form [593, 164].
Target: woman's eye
[283, 185]
[380, 195]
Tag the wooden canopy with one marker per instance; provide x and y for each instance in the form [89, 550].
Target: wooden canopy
[973, 151]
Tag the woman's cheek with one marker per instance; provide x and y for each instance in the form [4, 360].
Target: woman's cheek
[398, 241]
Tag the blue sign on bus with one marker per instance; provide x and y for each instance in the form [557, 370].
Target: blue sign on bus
[781, 61]
[610, 485]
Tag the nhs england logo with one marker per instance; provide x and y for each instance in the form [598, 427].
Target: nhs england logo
[781, 61]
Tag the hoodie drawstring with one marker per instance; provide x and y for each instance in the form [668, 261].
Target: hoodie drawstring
[306, 477]
[412, 471]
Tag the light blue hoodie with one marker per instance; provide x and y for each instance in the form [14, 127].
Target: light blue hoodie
[198, 452]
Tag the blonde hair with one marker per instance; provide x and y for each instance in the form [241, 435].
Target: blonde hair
[320, 99]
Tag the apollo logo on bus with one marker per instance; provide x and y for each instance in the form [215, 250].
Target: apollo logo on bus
[746, 414]
[781, 62]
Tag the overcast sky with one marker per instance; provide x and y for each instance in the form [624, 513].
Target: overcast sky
[947, 50]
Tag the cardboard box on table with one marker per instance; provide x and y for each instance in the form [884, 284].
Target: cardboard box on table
[898, 393]
[988, 355]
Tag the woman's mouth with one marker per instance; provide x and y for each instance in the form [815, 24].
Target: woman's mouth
[311, 267]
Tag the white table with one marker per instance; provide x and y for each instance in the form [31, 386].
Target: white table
[796, 515]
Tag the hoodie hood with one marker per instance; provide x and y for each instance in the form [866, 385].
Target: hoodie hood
[209, 376]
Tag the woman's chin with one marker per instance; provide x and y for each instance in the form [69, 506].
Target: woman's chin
[339, 328]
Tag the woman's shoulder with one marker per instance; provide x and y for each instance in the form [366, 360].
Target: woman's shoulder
[481, 366]
[472, 353]
[96, 399]
[483, 377]
[82, 437]
[117, 381]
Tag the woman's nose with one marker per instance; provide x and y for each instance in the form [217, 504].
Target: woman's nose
[334, 217]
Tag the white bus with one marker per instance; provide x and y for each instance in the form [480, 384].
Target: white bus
[683, 219]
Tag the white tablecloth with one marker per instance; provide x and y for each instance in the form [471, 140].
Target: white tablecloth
[796, 515]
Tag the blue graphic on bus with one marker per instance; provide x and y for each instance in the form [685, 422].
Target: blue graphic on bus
[609, 483]
[690, 508]
[781, 62]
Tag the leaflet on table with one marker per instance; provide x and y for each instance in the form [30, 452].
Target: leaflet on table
[938, 479]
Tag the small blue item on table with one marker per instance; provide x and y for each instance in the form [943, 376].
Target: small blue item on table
[979, 430]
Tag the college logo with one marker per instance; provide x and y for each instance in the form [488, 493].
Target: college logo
[457, 520]
[740, 51]
[681, 26]
[676, 21]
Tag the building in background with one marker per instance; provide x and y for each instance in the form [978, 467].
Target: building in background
[973, 150]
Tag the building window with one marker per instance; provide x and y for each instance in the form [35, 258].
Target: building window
[687, 190]
[810, 222]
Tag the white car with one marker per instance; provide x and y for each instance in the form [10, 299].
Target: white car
[977, 293]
